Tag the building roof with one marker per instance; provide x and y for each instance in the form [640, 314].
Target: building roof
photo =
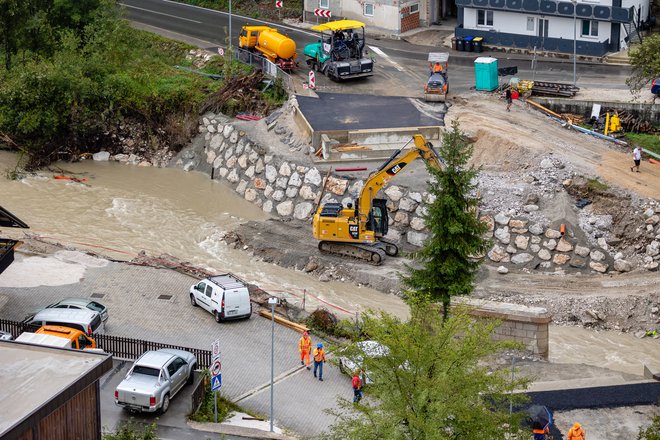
[36, 380]
[339, 25]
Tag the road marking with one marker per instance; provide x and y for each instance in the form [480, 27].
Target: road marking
[387, 57]
[160, 13]
[249, 19]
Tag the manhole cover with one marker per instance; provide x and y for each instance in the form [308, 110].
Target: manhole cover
[98, 295]
[165, 297]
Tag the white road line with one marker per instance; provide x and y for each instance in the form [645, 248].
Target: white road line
[160, 13]
[249, 19]
[387, 57]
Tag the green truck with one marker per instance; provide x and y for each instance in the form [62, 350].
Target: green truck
[339, 53]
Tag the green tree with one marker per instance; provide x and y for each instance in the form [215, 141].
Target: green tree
[446, 265]
[652, 432]
[645, 63]
[433, 383]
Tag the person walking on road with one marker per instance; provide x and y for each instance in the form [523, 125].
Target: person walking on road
[637, 158]
[319, 359]
[305, 348]
[357, 387]
[509, 99]
[576, 432]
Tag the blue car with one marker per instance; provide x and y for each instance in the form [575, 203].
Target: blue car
[655, 86]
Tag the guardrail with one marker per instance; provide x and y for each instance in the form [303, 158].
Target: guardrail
[119, 346]
[269, 68]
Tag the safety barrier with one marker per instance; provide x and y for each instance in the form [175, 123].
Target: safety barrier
[269, 68]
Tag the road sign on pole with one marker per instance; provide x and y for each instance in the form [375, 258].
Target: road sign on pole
[322, 12]
[279, 4]
[312, 80]
[221, 51]
[215, 347]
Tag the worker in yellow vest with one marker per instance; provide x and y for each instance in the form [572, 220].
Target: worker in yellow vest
[305, 349]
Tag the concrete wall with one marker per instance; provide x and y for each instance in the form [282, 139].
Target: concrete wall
[528, 325]
[649, 112]
[386, 13]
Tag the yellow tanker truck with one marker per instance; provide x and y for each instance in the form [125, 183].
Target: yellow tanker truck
[277, 48]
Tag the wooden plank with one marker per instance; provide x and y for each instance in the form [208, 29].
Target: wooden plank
[285, 322]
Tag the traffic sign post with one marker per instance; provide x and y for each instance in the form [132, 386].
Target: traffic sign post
[216, 374]
[312, 79]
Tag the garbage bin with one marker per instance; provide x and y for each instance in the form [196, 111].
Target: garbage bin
[460, 45]
[468, 43]
[477, 43]
[453, 43]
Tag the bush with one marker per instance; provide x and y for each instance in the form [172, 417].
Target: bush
[131, 431]
[326, 322]
[206, 411]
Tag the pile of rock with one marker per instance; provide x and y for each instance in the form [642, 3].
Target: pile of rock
[519, 243]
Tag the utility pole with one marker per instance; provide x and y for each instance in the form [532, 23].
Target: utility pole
[574, 41]
[230, 34]
[273, 302]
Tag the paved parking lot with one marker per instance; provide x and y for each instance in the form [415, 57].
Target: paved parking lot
[131, 294]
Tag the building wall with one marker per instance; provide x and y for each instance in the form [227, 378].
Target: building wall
[386, 13]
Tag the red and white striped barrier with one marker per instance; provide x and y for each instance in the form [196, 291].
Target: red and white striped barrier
[279, 3]
[323, 13]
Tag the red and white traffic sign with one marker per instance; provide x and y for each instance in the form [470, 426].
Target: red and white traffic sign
[215, 349]
[322, 13]
[216, 368]
[221, 51]
[279, 3]
[312, 80]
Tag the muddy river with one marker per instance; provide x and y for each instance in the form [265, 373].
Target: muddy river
[122, 209]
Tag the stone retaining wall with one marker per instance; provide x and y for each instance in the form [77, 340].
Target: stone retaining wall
[528, 325]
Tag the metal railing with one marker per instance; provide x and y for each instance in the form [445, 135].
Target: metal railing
[17, 327]
[200, 391]
[269, 68]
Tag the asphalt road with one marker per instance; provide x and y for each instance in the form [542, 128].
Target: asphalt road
[401, 67]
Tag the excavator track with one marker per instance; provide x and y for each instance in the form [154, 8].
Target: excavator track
[389, 247]
[365, 252]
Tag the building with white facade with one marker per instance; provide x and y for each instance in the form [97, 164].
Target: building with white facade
[600, 26]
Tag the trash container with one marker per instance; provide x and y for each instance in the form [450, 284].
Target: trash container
[477, 43]
[485, 72]
[468, 43]
[460, 45]
[453, 43]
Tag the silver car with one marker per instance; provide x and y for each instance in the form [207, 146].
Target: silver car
[6, 336]
[81, 303]
[154, 379]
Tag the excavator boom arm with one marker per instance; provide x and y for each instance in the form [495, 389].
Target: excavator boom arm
[422, 150]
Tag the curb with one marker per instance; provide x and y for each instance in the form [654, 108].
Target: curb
[238, 431]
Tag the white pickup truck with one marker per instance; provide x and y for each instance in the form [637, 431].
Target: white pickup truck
[154, 379]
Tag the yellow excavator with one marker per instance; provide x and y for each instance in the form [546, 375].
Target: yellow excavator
[357, 231]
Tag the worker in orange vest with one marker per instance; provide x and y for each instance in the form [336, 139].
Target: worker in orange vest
[319, 359]
[435, 68]
[305, 348]
[576, 432]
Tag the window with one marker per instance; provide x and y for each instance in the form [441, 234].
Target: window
[200, 287]
[171, 368]
[369, 9]
[414, 8]
[589, 28]
[324, 4]
[484, 18]
[209, 290]
[530, 24]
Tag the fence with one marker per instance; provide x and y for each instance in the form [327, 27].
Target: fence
[119, 346]
[200, 391]
[269, 68]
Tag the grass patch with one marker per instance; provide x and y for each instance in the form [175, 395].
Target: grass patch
[206, 411]
[596, 185]
[649, 141]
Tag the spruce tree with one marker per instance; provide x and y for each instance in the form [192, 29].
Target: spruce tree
[447, 263]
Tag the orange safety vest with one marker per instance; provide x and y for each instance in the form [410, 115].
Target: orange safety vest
[319, 355]
[437, 68]
[305, 344]
[575, 434]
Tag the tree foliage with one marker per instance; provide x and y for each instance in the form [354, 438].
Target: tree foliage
[131, 431]
[446, 264]
[645, 63]
[434, 382]
[651, 432]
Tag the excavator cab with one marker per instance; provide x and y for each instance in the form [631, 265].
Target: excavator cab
[378, 220]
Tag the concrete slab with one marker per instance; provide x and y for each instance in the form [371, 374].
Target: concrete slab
[337, 111]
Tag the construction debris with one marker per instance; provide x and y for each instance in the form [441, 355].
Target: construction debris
[544, 88]
[633, 124]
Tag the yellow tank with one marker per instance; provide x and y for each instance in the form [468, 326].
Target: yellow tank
[275, 45]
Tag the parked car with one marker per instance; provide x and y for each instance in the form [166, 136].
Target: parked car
[655, 86]
[349, 364]
[86, 320]
[6, 336]
[224, 296]
[81, 303]
[154, 379]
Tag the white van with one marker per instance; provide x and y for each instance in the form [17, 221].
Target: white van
[87, 321]
[224, 296]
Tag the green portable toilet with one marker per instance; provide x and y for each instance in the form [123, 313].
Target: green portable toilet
[485, 72]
